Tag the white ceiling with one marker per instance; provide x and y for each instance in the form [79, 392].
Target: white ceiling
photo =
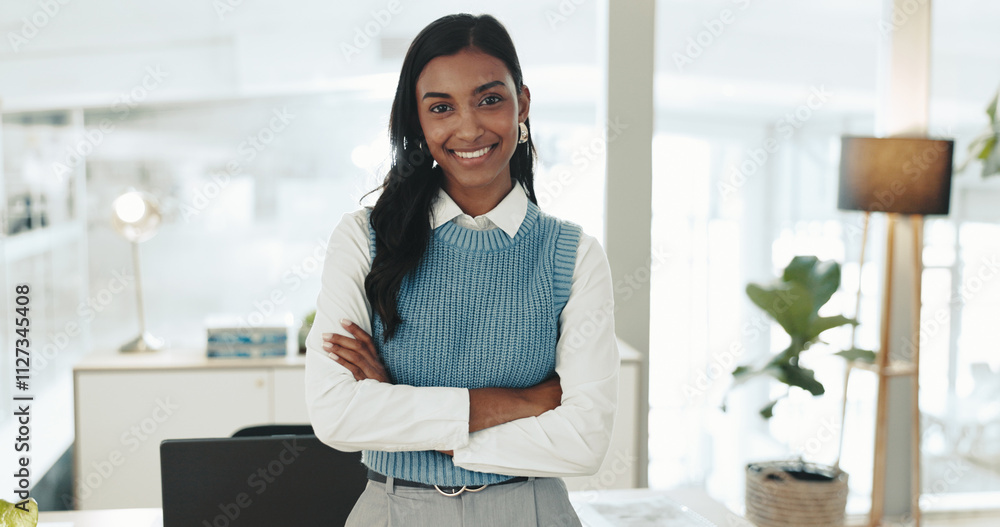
[91, 52]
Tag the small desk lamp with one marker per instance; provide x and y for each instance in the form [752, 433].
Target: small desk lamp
[896, 176]
[136, 216]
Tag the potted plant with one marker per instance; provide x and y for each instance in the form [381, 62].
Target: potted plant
[985, 147]
[787, 493]
[307, 323]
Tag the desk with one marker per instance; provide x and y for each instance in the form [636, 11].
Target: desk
[102, 518]
[697, 500]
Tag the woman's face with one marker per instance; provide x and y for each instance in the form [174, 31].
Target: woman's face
[469, 112]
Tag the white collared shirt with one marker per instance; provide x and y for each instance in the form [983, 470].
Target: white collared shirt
[570, 440]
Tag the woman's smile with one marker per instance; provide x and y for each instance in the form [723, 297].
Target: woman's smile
[473, 157]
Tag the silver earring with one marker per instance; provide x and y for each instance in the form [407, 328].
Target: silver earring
[524, 133]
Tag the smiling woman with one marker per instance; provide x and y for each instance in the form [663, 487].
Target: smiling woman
[473, 133]
[441, 345]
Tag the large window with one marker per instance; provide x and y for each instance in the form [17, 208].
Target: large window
[751, 100]
[960, 370]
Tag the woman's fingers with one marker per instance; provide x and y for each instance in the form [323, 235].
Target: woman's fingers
[350, 360]
[359, 353]
[358, 333]
[359, 374]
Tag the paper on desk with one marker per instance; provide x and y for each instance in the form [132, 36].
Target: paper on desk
[640, 512]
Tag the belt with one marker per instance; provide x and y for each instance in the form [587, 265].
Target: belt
[445, 491]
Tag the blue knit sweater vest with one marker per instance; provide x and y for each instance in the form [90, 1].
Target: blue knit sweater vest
[481, 309]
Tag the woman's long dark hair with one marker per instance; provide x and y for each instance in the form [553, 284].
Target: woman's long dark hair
[401, 216]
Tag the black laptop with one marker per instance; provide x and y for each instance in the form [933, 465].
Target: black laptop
[292, 480]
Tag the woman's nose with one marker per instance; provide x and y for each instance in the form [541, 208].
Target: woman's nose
[469, 128]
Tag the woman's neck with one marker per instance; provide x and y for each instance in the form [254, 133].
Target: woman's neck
[478, 201]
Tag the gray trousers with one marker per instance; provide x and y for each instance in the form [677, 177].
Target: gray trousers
[541, 502]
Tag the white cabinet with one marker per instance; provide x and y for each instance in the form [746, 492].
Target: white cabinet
[289, 394]
[127, 404]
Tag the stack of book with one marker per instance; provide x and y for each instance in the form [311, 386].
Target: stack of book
[233, 337]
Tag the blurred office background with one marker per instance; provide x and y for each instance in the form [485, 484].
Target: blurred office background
[258, 124]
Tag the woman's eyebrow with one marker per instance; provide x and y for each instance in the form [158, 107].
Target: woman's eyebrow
[478, 90]
[487, 86]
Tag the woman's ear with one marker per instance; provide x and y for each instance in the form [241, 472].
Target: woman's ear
[523, 103]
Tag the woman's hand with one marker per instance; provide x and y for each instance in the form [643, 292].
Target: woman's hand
[490, 407]
[544, 396]
[357, 354]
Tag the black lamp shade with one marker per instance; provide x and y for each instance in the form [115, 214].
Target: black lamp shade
[895, 174]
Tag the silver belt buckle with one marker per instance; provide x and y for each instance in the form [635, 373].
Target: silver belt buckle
[459, 491]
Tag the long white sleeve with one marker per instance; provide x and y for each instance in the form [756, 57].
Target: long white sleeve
[573, 439]
[350, 415]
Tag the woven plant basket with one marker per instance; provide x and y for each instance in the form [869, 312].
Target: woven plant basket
[795, 494]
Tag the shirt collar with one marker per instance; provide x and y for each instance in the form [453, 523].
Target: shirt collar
[507, 215]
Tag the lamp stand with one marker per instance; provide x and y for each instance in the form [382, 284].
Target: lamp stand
[145, 341]
[886, 369]
[917, 225]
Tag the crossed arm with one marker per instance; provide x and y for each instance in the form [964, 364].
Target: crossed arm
[558, 428]
[488, 407]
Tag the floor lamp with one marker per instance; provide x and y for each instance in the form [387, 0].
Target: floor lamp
[896, 176]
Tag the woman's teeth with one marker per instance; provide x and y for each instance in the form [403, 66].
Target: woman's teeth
[470, 155]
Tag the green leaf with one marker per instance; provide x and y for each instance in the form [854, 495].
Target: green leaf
[991, 110]
[988, 144]
[857, 354]
[822, 324]
[991, 165]
[788, 304]
[798, 376]
[743, 374]
[794, 300]
[820, 279]
[767, 412]
[20, 514]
